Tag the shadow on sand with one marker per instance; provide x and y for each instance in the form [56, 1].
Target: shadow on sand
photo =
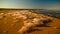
[41, 25]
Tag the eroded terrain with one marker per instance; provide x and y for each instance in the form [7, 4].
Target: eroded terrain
[12, 20]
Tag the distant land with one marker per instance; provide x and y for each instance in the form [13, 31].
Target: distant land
[53, 13]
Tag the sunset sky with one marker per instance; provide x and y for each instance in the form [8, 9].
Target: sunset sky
[31, 4]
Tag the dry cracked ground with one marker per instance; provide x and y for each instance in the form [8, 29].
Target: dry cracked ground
[12, 20]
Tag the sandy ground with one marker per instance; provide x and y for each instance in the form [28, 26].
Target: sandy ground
[11, 24]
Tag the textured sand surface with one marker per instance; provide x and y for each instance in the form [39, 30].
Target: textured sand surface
[11, 21]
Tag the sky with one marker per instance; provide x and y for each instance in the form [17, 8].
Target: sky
[31, 4]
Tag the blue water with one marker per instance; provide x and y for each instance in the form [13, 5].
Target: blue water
[51, 12]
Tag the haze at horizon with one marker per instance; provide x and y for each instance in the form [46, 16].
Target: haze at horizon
[31, 4]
